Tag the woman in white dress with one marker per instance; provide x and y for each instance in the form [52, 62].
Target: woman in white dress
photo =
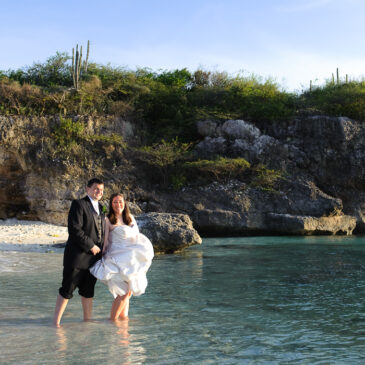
[127, 255]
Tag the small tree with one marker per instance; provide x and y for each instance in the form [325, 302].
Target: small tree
[53, 72]
[164, 156]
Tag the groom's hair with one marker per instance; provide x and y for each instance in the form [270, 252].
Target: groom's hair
[94, 181]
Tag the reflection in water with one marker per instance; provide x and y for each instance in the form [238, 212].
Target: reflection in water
[61, 341]
[122, 341]
[122, 332]
[127, 348]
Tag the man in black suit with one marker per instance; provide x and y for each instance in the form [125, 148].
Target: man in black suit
[86, 227]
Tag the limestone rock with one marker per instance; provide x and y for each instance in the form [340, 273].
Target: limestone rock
[323, 159]
[168, 232]
[304, 225]
[207, 128]
[234, 129]
[211, 147]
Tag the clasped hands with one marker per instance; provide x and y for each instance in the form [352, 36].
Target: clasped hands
[95, 250]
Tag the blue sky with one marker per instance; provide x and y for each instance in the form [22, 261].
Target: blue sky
[291, 41]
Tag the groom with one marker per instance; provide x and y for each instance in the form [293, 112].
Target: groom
[86, 227]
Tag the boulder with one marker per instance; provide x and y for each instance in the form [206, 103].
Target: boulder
[168, 232]
[230, 129]
[234, 129]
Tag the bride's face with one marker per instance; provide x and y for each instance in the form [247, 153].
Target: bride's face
[118, 205]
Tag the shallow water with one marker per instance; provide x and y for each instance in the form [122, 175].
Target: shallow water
[252, 300]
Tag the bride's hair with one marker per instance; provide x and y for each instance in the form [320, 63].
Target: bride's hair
[126, 214]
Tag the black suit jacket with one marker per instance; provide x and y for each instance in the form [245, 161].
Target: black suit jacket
[82, 234]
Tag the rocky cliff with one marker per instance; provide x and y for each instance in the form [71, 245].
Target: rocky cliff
[322, 190]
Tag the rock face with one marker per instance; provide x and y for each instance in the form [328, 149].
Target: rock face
[324, 187]
[168, 232]
[327, 154]
[237, 138]
[12, 186]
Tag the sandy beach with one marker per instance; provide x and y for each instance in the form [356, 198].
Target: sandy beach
[31, 236]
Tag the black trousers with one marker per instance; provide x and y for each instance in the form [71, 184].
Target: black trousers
[77, 278]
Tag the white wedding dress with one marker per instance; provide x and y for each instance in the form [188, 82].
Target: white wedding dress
[124, 265]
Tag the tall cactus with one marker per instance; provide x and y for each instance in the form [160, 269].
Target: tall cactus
[77, 65]
[87, 56]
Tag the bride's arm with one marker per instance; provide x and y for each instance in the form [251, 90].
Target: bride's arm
[106, 236]
[133, 224]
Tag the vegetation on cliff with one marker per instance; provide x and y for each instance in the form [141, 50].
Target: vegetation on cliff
[167, 104]
[169, 101]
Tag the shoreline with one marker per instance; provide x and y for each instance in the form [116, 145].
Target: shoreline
[36, 236]
[31, 236]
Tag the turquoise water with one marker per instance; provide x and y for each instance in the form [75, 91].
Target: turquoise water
[252, 300]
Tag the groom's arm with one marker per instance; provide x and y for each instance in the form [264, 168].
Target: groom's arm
[106, 235]
[76, 227]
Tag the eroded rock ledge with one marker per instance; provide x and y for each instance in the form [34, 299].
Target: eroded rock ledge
[304, 225]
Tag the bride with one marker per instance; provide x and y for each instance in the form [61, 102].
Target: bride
[127, 255]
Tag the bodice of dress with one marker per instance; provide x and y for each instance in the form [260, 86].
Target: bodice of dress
[120, 233]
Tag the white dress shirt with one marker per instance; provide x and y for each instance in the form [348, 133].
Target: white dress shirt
[95, 204]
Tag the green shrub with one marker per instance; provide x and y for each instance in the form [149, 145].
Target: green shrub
[178, 180]
[23, 99]
[112, 139]
[265, 178]
[343, 99]
[180, 78]
[218, 169]
[68, 133]
[164, 153]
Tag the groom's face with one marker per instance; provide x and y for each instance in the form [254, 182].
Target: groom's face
[95, 191]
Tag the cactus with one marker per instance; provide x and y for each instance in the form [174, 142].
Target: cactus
[77, 65]
[338, 76]
[347, 78]
[87, 56]
[333, 79]
[310, 85]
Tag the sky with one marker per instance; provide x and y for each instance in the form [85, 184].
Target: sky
[290, 41]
